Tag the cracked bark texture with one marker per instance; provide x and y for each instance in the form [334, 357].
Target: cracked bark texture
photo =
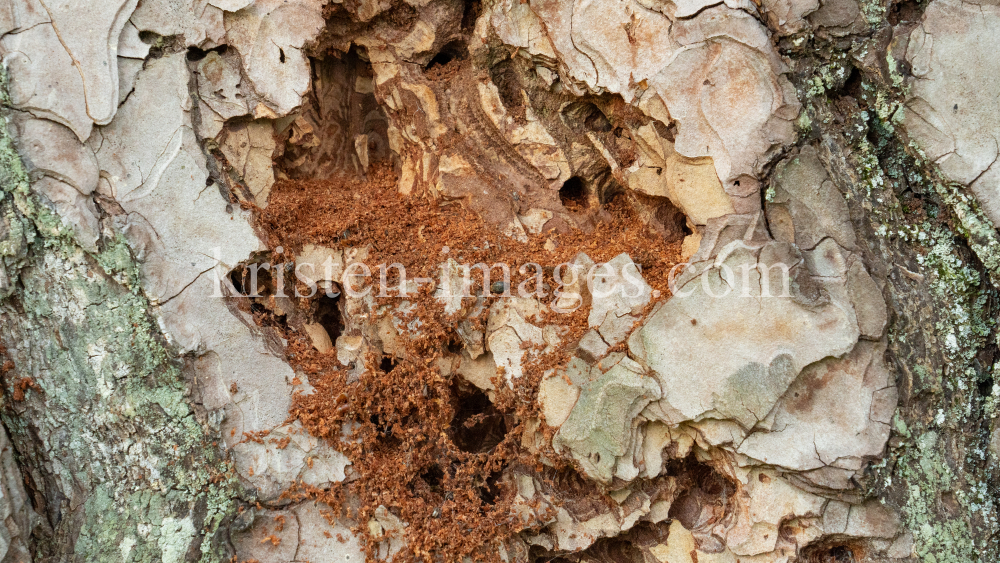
[852, 419]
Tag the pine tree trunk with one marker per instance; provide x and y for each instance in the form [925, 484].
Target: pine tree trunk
[177, 387]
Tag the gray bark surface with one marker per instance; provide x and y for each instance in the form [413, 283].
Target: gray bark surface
[147, 418]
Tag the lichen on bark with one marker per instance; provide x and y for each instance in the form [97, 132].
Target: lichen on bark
[736, 135]
[935, 253]
[118, 461]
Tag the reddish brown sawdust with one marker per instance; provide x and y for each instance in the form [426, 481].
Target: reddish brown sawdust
[6, 364]
[397, 427]
[414, 230]
[22, 384]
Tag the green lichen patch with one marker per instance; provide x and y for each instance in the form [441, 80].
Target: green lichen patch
[127, 471]
[936, 256]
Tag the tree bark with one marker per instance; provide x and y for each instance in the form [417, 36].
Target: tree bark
[168, 398]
